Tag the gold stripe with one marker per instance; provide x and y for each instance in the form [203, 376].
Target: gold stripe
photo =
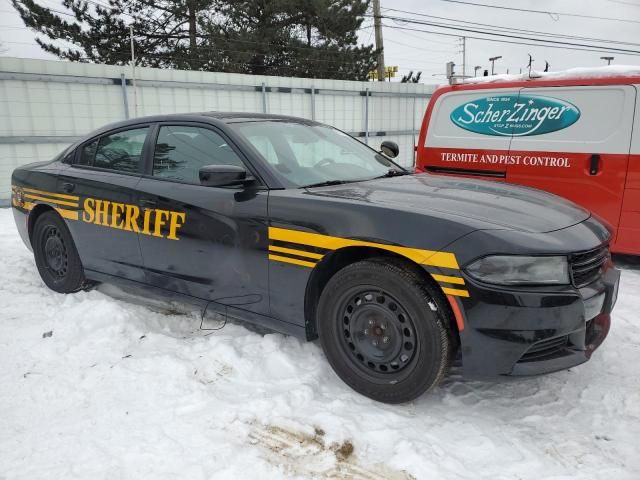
[448, 279]
[302, 263]
[70, 214]
[64, 213]
[51, 200]
[455, 291]
[424, 257]
[59, 195]
[300, 253]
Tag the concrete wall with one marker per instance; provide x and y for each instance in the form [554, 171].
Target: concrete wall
[45, 105]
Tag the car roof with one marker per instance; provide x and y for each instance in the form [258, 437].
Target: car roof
[224, 117]
[235, 117]
[208, 117]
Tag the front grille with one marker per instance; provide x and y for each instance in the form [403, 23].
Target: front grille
[545, 349]
[586, 267]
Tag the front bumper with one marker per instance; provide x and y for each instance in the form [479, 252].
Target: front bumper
[535, 330]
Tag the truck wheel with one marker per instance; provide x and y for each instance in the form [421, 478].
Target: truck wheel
[56, 255]
[384, 330]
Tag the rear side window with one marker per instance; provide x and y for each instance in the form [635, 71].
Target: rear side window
[121, 151]
[181, 151]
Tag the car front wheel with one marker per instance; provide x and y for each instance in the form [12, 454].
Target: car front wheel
[385, 330]
[56, 255]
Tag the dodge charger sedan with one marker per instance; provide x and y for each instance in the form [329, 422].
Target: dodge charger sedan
[300, 228]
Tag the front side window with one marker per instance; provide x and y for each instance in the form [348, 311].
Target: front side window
[120, 151]
[181, 151]
[304, 155]
[69, 157]
[87, 153]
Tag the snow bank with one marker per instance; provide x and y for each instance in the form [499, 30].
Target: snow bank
[591, 72]
[94, 387]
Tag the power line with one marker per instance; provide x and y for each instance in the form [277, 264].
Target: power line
[200, 36]
[21, 43]
[501, 28]
[56, 11]
[178, 57]
[540, 42]
[595, 49]
[625, 3]
[428, 49]
[201, 49]
[544, 12]
[431, 40]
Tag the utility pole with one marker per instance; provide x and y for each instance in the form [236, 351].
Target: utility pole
[493, 60]
[377, 25]
[133, 73]
[608, 59]
[464, 57]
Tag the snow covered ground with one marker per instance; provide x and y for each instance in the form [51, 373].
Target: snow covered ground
[97, 387]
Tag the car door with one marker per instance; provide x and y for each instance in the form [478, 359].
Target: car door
[104, 174]
[468, 133]
[212, 241]
[583, 152]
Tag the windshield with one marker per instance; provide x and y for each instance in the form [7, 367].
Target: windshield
[309, 155]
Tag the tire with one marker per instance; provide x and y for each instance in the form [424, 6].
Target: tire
[385, 331]
[56, 255]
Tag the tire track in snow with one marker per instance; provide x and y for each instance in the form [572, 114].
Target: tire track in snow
[299, 453]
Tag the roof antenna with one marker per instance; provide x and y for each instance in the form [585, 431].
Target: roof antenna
[546, 66]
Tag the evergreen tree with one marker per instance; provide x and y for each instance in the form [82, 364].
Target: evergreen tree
[309, 38]
[164, 30]
[410, 78]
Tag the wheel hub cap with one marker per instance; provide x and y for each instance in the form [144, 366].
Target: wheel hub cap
[55, 252]
[378, 331]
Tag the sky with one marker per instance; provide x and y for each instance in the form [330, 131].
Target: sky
[429, 52]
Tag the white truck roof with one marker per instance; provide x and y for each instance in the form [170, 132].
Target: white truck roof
[582, 72]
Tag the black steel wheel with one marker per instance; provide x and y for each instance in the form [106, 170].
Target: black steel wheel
[55, 252]
[385, 330]
[56, 255]
[377, 330]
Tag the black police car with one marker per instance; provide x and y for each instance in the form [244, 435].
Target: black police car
[296, 226]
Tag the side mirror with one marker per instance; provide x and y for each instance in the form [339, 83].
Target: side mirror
[390, 149]
[222, 175]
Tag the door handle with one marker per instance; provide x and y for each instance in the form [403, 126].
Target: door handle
[146, 203]
[594, 164]
[68, 187]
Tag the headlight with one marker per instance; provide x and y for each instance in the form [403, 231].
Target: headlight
[517, 270]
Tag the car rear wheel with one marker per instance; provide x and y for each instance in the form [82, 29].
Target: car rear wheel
[56, 255]
[385, 330]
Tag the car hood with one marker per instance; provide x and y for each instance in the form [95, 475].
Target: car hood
[492, 204]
